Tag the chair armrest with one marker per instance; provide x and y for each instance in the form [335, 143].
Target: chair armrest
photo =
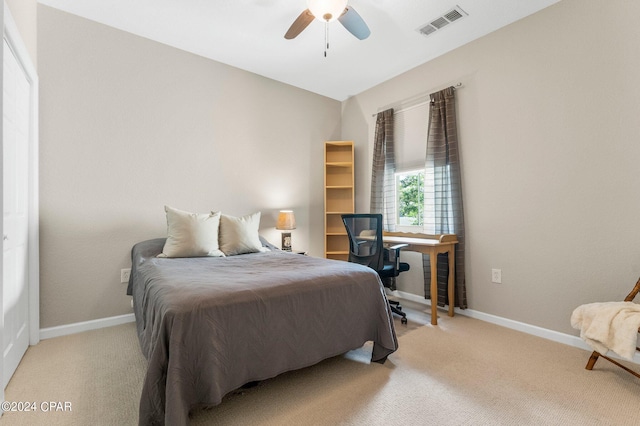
[396, 253]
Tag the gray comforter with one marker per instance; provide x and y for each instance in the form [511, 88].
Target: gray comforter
[208, 325]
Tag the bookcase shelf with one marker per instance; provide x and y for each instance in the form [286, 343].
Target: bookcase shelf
[339, 196]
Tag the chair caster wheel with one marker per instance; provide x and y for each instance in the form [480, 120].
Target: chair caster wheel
[403, 320]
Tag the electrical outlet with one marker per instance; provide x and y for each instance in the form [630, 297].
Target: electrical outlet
[496, 276]
[124, 275]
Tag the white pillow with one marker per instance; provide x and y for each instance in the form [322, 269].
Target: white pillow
[191, 234]
[239, 235]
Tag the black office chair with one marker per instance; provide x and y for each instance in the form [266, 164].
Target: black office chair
[367, 248]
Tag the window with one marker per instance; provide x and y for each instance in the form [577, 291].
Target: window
[410, 199]
[410, 137]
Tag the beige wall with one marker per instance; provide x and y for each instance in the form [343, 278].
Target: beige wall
[549, 135]
[129, 125]
[24, 13]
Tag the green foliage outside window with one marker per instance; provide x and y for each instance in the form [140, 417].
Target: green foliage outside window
[410, 193]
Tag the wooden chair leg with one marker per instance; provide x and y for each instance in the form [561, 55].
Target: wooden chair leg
[595, 355]
[592, 360]
[621, 366]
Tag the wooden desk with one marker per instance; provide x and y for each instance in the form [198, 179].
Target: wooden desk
[431, 245]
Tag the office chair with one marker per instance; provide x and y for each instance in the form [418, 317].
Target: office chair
[367, 248]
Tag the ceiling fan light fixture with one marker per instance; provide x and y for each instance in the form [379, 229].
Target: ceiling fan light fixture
[326, 10]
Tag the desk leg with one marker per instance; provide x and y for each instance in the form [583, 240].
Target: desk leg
[451, 284]
[433, 260]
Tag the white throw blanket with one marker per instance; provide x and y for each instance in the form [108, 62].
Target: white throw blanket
[609, 326]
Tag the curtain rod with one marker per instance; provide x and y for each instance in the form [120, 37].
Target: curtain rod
[414, 99]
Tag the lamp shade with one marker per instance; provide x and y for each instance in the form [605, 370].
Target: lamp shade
[326, 10]
[286, 220]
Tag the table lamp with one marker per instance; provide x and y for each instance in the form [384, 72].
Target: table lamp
[286, 221]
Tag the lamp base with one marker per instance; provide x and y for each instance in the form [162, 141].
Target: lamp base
[286, 241]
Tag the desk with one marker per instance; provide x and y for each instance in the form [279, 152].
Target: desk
[431, 245]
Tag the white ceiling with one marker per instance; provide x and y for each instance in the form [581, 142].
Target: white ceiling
[249, 34]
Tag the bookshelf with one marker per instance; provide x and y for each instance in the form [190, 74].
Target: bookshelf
[339, 196]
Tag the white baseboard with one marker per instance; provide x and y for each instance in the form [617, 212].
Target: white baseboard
[63, 330]
[555, 336]
[78, 327]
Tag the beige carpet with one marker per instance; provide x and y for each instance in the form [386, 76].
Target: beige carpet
[463, 372]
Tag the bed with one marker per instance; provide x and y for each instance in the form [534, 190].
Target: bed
[209, 325]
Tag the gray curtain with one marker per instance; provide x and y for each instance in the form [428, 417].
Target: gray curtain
[443, 194]
[383, 171]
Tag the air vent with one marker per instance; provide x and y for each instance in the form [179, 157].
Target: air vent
[442, 21]
[439, 23]
[453, 15]
[428, 30]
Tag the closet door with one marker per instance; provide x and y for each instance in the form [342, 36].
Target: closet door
[16, 97]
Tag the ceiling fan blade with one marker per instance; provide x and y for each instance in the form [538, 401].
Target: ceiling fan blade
[354, 23]
[299, 24]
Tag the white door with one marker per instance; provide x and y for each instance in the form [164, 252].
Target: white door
[16, 216]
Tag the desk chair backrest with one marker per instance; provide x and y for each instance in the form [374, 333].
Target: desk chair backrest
[366, 247]
[365, 239]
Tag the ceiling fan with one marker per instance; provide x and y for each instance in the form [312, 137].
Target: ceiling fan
[328, 11]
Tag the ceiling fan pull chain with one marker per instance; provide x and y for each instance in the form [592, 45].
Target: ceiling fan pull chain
[326, 38]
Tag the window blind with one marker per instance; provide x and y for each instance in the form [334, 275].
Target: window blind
[410, 129]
